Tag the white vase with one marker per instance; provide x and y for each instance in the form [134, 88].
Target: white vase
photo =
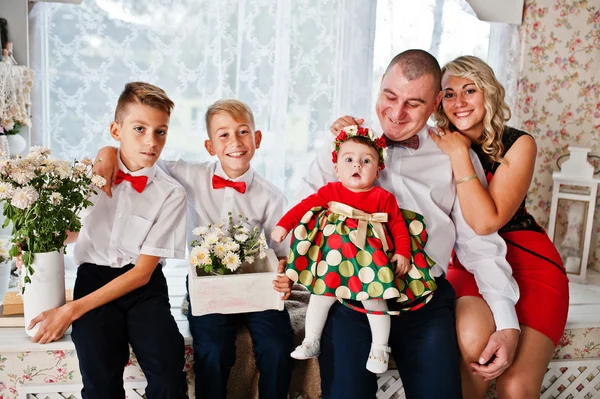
[47, 287]
[4, 278]
[16, 144]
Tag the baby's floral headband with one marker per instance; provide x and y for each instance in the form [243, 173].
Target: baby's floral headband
[353, 131]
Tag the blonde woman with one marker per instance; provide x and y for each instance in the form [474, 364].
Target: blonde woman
[472, 114]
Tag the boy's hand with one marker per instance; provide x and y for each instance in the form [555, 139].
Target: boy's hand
[344, 121]
[402, 264]
[107, 166]
[283, 283]
[278, 234]
[53, 324]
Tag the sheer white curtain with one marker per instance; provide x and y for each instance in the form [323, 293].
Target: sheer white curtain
[299, 64]
[504, 58]
[293, 62]
[447, 29]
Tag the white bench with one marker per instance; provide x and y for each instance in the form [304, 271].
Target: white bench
[576, 377]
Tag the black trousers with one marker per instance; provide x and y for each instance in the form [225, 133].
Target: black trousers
[141, 318]
[423, 344]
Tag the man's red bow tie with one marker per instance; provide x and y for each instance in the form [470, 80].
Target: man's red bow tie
[137, 182]
[219, 182]
[411, 142]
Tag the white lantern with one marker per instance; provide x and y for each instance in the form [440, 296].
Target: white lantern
[572, 212]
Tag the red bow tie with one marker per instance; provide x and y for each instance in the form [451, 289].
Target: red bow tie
[219, 182]
[137, 182]
[411, 142]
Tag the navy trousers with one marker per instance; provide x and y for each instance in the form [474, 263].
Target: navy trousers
[423, 344]
[141, 318]
[214, 351]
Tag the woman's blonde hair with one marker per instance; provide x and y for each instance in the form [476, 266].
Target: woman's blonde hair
[496, 109]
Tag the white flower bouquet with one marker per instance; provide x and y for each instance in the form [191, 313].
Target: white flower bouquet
[222, 249]
[42, 198]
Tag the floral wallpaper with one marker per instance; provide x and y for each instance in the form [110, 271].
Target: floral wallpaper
[558, 99]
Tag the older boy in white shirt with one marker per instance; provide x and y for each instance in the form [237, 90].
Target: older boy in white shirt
[214, 189]
[120, 295]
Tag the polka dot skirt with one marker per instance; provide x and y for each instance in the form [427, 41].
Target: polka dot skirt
[325, 259]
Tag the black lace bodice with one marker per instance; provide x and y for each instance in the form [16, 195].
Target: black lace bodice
[521, 220]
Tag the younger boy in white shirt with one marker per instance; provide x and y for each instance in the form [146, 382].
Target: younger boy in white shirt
[214, 189]
[120, 294]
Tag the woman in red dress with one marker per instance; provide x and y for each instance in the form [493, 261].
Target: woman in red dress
[472, 115]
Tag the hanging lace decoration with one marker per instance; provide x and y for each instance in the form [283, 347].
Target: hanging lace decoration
[16, 82]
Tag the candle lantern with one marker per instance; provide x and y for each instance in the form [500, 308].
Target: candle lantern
[572, 212]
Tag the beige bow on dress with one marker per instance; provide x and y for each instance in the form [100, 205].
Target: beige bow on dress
[376, 220]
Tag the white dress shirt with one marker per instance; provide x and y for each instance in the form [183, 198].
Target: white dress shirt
[262, 203]
[422, 181]
[116, 231]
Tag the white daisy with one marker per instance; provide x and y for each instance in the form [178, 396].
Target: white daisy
[63, 169]
[232, 261]
[219, 250]
[6, 190]
[80, 169]
[98, 181]
[22, 176]
[351, 130]
[4, 166]
[241, 237]
[200, 231]
[24, 197]
[200, 256]
[36, 151]
[55, 198]
[232, 246]
[211, 238]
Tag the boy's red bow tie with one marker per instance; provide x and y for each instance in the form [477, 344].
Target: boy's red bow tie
[137, 182]
[411, 142]
[219, 182]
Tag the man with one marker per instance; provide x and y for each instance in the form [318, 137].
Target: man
[423, 341]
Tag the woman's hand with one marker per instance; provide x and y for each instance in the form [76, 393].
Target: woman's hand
[107, 166]
[451, 143]
[344, 121]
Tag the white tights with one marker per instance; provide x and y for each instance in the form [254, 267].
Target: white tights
[318, 309]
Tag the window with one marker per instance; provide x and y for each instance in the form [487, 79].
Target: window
[299, 64]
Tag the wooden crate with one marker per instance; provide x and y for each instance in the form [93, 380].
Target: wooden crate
[250, 291]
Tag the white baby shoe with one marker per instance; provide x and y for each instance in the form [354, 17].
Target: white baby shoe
[378, 358]
[307, 350]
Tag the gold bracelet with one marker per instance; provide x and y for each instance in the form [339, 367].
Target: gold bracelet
[464, 179]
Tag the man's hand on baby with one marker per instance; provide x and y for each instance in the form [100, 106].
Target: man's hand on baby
[278, 234]
[344, 121]
[283, 283]
[402, 264]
